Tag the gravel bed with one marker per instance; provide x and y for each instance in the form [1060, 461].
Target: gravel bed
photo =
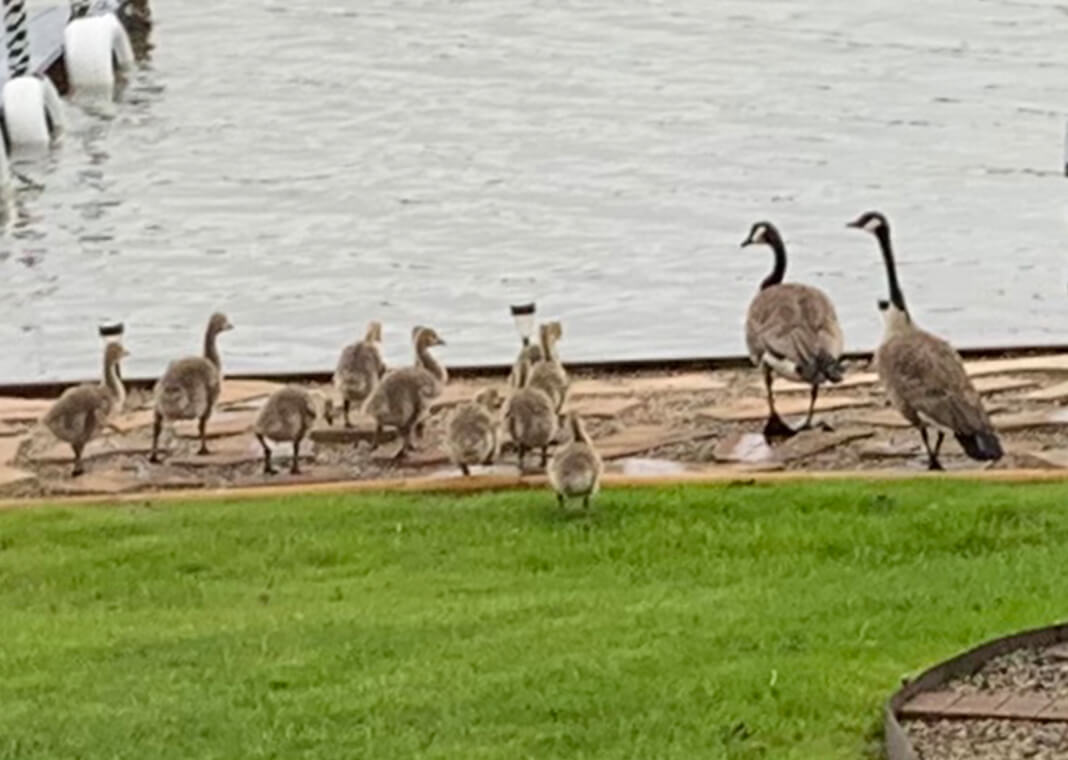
[989, 740]
[1028, 671]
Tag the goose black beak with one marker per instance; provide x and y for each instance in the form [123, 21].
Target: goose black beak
[746, 243]
[855, 224]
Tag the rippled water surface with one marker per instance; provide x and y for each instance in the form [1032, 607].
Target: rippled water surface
[308, 165]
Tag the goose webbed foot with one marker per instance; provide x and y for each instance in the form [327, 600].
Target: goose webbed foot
[203, 451]
[269, 470]
[777, 429]
[935, 466]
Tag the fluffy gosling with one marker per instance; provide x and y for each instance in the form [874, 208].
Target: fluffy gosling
[472, 433]
[530, 417]
[575, 469]
[288, 415]
[190, 387]
[359, 369]
[402, 398]
[81, 412]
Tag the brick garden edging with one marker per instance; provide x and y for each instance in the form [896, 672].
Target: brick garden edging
[924, 696]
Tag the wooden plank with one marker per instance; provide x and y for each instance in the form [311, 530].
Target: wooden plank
[757, 408]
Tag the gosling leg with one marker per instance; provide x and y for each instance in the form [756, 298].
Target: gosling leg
[79, 468]
[586, 502]
[345, 411]
[544, 455]
[268, 468]
[294, 469]
[521, 452]
[202, 428]
[560, 500]
[157, 427]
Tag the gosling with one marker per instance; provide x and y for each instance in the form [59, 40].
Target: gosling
[402, 398]
[190, 387]
[81, 412]
[530, 417]
[548, 374]
[575, 469]
[471, 436]
[359, 369]
[288, 415]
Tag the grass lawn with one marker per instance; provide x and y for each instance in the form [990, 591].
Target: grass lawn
[693, 622]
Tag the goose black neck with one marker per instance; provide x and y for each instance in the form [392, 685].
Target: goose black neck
[779, 271]
[897, 298]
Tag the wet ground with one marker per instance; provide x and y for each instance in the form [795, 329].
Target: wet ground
[644, 424]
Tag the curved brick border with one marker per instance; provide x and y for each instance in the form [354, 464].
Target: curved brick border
[898, 746]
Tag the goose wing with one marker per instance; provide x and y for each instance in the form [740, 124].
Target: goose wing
[925, 379]
[795, 322]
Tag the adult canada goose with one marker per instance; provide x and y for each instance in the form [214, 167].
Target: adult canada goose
[402, 398]
[359, 369]
[791, 330]
[83, 411]
[530, 417]
[548, 374]
[472, 433]
[288, 415]
[924, 377]
[575, 469]
[189, 387]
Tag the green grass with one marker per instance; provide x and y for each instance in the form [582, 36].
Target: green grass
[747, 622]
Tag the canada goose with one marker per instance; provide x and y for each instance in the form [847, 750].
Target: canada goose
[472, 434]
[359, 369]
[924, 377]
[530, 417]
[575, 469]
[791, 330]
[288, 415]
[81, 412]
[189, 388]
[548, 374]
[402, 398]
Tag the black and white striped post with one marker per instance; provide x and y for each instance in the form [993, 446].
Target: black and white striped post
[17, 34]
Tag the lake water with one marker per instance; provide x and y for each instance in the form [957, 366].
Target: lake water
[307, 166]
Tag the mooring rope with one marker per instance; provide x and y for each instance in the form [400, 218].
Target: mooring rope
[17, 33]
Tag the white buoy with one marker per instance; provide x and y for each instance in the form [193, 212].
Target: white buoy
[94, 46]
[33, 111]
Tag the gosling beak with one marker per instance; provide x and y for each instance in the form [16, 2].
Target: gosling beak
[125, 353]
[229, 325]
[440, 342]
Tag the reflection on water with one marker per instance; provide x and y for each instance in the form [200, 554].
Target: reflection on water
[308, 167]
